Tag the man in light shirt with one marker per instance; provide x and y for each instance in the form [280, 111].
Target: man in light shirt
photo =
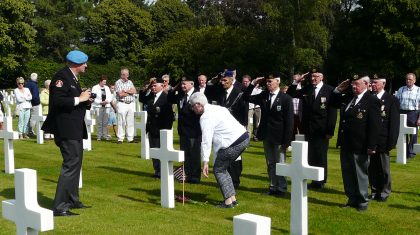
[229, 139]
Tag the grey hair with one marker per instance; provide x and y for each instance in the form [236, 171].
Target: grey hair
[34, 77]
[47, 82]
[366, 79]
[198, 98]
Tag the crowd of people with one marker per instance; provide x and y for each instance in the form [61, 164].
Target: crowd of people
[214, 114]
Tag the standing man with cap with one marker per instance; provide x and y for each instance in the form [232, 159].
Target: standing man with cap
[409, 97]
[65, 119]
[318, 119]
[379, 169]
[359, 130]
[32, 85]
[275, 129]
[125, 90]
[159, 115]
[188, 128]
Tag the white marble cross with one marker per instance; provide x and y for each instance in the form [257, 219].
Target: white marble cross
[167, 155]
[87, 143]
[28, 216]
[299, 172]
[39, 118]
[145, 149]
[8, 109]
[137, 102]
[8, 136]
[402, 139]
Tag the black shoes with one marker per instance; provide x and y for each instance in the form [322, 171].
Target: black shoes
[316, 185]
[360, 208]
[64, 213]
[81, 206]
[224, 206]
[378, 197]
[275, 193]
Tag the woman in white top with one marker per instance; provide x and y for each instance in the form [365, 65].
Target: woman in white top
[102, 106]
[23, 104]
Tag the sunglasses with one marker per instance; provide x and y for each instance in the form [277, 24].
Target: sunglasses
[21, 83]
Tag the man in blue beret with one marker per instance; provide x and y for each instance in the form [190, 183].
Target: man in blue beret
[65, 119]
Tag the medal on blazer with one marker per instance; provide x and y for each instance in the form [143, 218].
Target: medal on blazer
[59, 83]
[323, 100]
[383, 114]
[278, 108]
[360, 114]
[157, 111]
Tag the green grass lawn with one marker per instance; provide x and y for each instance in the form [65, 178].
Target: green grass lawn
[126, 199]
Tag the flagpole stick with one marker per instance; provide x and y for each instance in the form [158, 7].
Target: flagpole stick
[183, 185]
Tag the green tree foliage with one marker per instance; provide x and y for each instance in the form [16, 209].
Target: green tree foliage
[378, 36]
[118, 30]
[17, 38]
[170, 16]
[59, 26]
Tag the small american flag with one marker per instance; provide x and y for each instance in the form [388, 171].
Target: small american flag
[179, 173]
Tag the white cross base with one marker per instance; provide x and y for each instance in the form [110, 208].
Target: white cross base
[28, 216]
[87, 143]
[145, 148]
[402, 139]
[299, 171]
[39, 120]
[80, 179]
[167, 155]
[8, 136]
[250, 224]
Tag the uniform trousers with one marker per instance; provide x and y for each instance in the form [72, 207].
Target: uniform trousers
[317, 154]
[102, 115]
[354, 170]
[192, 153]
[154, 142]
[224, 159]
[380, 175]
[67, 192]
[275, 153]
[125, 118]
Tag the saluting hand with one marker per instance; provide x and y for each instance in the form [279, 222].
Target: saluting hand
[344, 85]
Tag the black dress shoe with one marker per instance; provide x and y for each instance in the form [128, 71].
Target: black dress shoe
[223, 205]
[361, 207]
[381, 199]
[275, 193]
[64, 213]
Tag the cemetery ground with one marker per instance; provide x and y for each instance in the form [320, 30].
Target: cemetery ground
[126, 199]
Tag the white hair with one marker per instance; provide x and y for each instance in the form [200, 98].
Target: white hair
[47, 83]
[34, 77]
[198, 98]
[366, 79]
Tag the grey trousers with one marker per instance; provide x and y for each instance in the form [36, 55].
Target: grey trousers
[354, 170]
[223, 160]
[274, 153]
[380, 175]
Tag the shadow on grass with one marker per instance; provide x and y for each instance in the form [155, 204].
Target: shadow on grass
[49, 180]
[153, 192]
[410, 193]
[256, 177]
[126, 171]
[131, 198]
[323, 202]
[417, 208]
[43, 201]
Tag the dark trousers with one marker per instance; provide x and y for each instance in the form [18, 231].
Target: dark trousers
[317, 155]
[192, 153]
[155, 143]
[67, 192]
[380, 175]
[354, 170]
[412, 117]
[235, 171]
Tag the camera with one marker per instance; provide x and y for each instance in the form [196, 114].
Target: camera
[92, 95]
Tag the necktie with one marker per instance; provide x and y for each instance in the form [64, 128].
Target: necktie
[270, 100]
[184, 101]
[314, 93]
[154, 98]
[225, 98]
[352, 103]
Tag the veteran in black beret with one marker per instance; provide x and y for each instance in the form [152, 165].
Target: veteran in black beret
[65, 119]
[379, 168]
[359, 130]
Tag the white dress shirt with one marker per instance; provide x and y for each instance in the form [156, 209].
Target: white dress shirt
[219, 128]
